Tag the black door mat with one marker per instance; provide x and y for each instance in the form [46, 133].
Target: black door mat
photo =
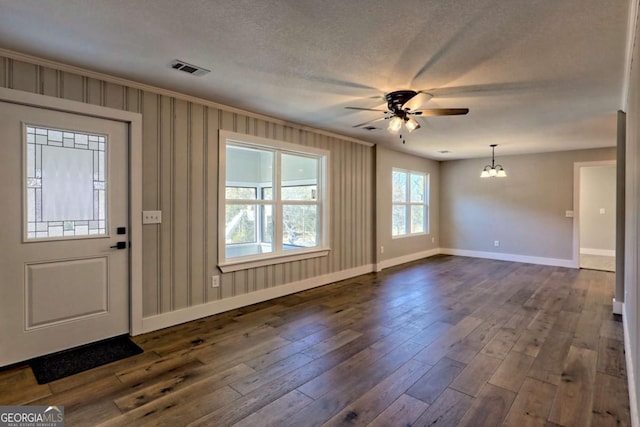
[79, 359]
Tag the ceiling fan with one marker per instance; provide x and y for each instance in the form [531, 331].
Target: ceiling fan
[402, 108]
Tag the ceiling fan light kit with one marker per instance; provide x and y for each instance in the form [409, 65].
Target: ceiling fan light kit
[493, 170]
[403, 108]
[411, 124]
[395, 124]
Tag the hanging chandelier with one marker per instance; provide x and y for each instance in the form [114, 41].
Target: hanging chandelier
[493, 170]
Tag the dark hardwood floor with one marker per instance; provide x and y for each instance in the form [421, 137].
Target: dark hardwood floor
[439, 342]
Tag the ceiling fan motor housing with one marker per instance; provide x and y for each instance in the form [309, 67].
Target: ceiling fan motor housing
[395, 100]
[402, 105]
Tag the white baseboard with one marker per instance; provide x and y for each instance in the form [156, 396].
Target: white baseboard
[617, 307]
[406, 258]
[601, 252]
[631, 373]
[556, 262]
[188, 314]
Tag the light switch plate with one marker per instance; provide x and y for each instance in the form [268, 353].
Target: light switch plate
[215, 281]
[151, 217]
[568, 214]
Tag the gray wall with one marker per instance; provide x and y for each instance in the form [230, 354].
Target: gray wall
[632, 215]
[598, 191]
[525, 211]
[386, 160]
[180, 178]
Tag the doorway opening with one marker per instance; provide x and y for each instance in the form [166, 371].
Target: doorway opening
[597, 216]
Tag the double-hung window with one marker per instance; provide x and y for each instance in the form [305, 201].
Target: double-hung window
[410, 203]
[275, 201]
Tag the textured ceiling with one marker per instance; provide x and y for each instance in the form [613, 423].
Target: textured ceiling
[537, 75]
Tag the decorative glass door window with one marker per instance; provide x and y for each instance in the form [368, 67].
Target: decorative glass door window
[66, 183]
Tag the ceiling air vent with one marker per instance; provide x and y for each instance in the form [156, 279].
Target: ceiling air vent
[189, 68]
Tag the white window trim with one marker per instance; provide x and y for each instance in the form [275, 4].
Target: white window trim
[244, 263]
[426, 203]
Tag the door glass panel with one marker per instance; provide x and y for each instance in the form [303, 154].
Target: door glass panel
[66, 184]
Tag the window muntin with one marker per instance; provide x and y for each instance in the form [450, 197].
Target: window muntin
[274, 192]
[410, 208]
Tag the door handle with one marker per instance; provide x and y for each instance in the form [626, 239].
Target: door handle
[120, 245]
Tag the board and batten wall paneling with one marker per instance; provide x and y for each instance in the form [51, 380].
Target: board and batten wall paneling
[151, 236]
[211, 218]
[49, 82]
[180, 178]
[165, 205]
[197, 197]
[180, 205]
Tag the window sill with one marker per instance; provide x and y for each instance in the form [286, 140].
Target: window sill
[247, 263]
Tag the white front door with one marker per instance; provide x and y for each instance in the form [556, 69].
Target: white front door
[64, 192]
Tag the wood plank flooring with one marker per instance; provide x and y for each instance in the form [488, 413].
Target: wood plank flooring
[443, 341]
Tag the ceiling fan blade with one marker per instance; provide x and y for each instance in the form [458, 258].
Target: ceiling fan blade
[488, 89]
[441, 112]
[370, 121]
[417, 101]
[365, 109]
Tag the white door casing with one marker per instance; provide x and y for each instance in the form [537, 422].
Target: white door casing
[60, 292]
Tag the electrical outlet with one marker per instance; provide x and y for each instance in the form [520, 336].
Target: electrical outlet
[151, 217]
[496, 243]
[381, 249]
[433, 240]
[215, 281]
